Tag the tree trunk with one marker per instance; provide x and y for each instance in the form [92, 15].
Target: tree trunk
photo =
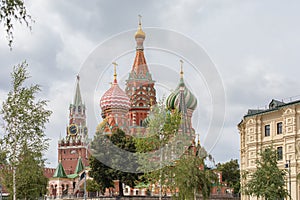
[121, 194]
[14, 184]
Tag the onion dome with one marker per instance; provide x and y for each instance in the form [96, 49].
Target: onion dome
[140, 33]
[173, 100]
[114, 97]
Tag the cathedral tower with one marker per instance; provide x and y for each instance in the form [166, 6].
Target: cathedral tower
[183, 100]
[115, 105]
[72, 146]
[139, 85]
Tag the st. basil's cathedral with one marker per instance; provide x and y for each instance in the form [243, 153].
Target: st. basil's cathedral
[125, 109]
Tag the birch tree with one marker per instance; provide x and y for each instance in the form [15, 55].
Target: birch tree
[24, 123]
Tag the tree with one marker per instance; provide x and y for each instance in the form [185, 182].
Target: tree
[24, 123]
[92, 187]
[268, 180]
[191, 175]
[105, 174]
[29, 175]
[178, 169]
[231, 174]
[10, 11]
[2, 156]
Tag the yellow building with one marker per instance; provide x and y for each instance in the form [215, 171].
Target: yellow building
[277, 125]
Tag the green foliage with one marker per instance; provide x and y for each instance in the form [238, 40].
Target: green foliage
[231, 174]
[191, 177]
[10, 11]
[2, 156]
[24, 138]
[104, 174]
[185, 175]
[101, 174]
[162, 128]
[92, 186]
[31, 182]
[268, 180]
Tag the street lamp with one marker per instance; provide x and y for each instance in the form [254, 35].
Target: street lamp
[0, 192]
[288, 165]
[161, 136]
[84, 184]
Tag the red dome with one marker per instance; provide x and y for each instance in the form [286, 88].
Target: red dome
[114, 98]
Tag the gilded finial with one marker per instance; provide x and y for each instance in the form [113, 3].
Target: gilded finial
[140, 33]
[115, 71]
[198, 143]
[181, 69]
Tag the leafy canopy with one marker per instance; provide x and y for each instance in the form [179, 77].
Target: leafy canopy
[268, 180]
[231, 174]
[10, 11]
[105, 174]
[24, 140]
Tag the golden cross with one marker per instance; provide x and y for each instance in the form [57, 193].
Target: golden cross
[181, 68]
[115, 70]
[140, 19]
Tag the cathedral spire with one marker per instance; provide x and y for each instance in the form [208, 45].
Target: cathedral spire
[181, 69]
[115, 71]
[140, 69]
[140, 36]
[77, 98]
[185, 126]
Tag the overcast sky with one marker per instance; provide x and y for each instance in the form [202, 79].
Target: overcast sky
[253, 44]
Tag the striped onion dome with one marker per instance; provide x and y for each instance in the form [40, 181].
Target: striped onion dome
[114, 97]
[173, 99]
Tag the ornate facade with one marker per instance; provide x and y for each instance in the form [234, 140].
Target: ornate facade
[278, 125]
[73, 154]
[125, 109]
[73, 146]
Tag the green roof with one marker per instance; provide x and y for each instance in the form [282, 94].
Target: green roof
[72, 175]
[79, 166]
[60, 172]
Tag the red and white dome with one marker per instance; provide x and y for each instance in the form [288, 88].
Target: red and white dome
[114, 98]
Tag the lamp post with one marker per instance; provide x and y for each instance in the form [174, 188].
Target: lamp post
[160, 166]
[288, 165]
[84, 185]
[0, 192]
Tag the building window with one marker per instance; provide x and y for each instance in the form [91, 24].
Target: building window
[279, 128]
[279, 153]
[267, 130]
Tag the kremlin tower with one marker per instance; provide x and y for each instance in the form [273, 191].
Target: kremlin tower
[72, 147]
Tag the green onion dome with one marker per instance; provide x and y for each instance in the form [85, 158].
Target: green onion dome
[173, 99]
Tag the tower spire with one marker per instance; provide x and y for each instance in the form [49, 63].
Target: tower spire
[181, 68]
[140, 35]
[115, 71]
[77, 98]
